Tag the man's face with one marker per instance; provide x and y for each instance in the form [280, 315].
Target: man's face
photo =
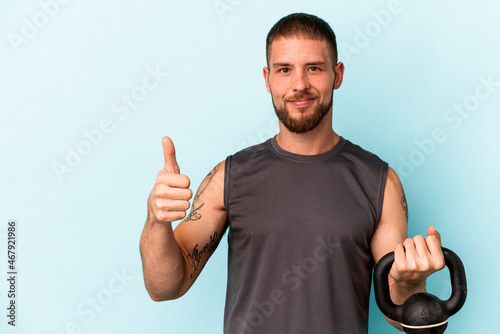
[301, 79]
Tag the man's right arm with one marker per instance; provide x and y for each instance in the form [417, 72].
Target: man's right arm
[172, 260]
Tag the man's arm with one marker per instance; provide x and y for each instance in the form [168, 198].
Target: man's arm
[415, 259]
[172, 260]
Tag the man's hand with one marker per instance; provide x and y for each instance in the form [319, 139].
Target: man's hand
[170, 196]
[417, 258]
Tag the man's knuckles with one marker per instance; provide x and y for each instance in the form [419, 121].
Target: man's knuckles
[408, 244]
[418, 239]
[172, 193]
[170, 216]
[172, 205]
[420, 265]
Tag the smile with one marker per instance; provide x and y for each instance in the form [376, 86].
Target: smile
[302, 103]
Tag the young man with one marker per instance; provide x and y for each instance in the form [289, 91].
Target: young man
[309, 213]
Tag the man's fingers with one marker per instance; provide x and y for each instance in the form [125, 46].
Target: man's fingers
[420, 247]
[174, 191]
[175, 181]
[431, 231]
[433, 242]
[173, 205]
[399, 254]
[170, 216]
[417, 258]
[399, 262]
[171, 165]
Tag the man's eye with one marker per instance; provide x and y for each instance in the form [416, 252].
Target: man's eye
[284, 70]
[314, 68]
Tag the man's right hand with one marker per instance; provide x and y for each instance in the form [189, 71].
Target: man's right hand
[170, 196]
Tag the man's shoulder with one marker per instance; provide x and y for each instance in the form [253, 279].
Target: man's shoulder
[355, 152]
[251, 152]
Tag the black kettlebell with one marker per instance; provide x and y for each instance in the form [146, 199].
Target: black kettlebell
[422, 313]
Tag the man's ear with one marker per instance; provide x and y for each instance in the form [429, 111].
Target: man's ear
[266, 78]
[339, 75]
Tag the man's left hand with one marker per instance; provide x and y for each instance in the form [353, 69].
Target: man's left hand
[417, 258]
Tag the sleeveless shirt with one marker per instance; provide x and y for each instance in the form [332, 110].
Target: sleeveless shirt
[300, 227]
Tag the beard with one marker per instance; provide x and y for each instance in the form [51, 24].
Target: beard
[305, 123]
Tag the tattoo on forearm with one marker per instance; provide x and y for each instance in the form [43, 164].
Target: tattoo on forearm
[404, 204]
[195, 208]
[195, 257]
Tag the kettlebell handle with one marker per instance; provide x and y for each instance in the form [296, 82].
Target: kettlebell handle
[395, 312]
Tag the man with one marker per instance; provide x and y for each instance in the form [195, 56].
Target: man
[308, 212]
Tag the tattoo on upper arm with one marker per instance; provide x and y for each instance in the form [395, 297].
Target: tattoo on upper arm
[195, 214]
[195, 257]
[404, 204]
[208, 179]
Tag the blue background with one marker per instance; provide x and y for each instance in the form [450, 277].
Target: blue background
[67, 67]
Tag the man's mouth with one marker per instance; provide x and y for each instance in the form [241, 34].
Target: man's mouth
[302, 103]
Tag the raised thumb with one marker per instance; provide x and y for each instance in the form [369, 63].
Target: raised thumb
[171, 165]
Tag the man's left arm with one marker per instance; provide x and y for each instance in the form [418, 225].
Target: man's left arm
[414, 259]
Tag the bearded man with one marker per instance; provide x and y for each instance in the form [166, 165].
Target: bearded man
[308, 213]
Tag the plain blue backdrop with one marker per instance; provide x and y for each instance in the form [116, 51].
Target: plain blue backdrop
[88, 89]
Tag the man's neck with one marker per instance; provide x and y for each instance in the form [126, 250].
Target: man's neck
[319, 140]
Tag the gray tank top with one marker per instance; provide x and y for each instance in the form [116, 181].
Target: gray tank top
[299, 239]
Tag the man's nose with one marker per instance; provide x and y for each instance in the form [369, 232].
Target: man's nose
[300, 81]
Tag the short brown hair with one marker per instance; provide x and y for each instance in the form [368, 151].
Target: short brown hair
[302, 25]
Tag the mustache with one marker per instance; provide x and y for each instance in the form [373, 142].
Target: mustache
[301, 96]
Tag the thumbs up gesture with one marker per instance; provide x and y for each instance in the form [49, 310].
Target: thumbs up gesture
[170, 196]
